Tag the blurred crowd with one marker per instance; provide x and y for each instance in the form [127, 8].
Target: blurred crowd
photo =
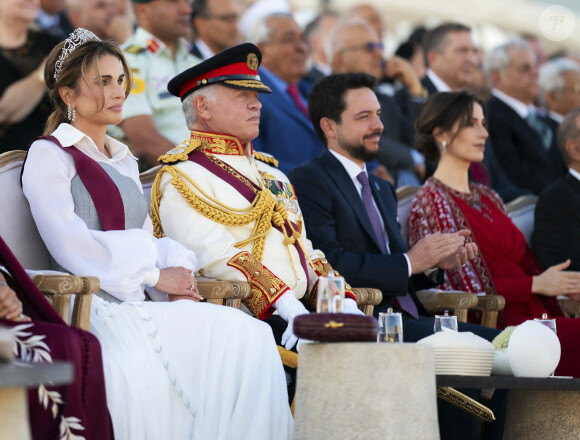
[519, 80]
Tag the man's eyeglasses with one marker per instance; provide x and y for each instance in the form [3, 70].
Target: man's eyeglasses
[371, 46]
[227, 18]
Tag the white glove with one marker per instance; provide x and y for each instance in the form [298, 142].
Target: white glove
[289, 308]
[349, 306]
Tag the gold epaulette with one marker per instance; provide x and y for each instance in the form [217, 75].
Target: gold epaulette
[266, 158]
[134, 49]
[180, 153]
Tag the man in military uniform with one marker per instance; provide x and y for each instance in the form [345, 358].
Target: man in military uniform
[152, 118]
[231, 205]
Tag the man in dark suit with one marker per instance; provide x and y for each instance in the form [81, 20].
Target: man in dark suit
[315, 34]
[450, 57]
[346, 115]
[351, 216]
[285, 130]
[559, 81]
[556, 235]
[520, 138]
[355, 47]
[215, 26]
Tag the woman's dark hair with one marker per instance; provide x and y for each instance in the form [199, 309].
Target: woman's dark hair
[76, 66]
[326, 98]
[443, 112]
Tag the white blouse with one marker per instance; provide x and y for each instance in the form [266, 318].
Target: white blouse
[124, 261]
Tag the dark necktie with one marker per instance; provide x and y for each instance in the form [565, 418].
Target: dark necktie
[295, 95]
[405, 302]
[541, 128]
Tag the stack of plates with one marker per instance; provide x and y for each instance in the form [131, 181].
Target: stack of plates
[463, 361]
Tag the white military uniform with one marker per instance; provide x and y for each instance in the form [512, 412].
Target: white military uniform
[152, 66]
[214, 243]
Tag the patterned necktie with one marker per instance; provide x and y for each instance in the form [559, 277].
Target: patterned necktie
[295, 95]
[541, 128]
[405, 302]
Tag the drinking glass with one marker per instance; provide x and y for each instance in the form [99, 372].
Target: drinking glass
[550, 323]
[445, 321]
[390, 327]
[330, 294]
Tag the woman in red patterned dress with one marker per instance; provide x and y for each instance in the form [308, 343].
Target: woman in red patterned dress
[451, 129]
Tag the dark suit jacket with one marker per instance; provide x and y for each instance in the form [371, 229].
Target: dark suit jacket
[555, 153]
[556, 235]
[285, 132]
[428, 84]
[195, 51]
[337, 224]
[313, 75]
[518, 148]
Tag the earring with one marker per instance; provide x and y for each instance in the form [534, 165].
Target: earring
[74, 113]
[443, 146]
[68, 113]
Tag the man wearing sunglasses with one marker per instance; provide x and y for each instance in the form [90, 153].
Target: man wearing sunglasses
[215, 26]
[354, 46]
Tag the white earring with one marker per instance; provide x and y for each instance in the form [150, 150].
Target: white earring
[443, 146]
[74, 113]
[68, 113]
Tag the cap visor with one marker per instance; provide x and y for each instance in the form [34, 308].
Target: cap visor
[247, 84]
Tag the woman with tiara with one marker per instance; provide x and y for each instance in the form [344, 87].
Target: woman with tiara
[177, 369]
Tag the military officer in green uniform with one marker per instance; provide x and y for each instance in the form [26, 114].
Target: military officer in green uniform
[153, 121]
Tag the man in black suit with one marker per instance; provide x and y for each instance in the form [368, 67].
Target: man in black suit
[556, 235]
[315, 34]
[559, 81]
[215, 26]
[351, 216]
[450, 57]
[520, 138]
[346, 117]
[356, 47]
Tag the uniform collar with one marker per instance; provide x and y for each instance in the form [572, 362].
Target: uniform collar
[220, 143]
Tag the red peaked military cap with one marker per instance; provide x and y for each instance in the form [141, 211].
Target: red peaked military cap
[236, 67]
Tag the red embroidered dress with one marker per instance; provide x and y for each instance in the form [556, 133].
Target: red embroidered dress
[505, 265]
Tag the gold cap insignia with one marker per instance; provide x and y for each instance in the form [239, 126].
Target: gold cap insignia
[252, 61]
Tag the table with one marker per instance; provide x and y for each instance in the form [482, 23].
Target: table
[15, 378]
[537, 408]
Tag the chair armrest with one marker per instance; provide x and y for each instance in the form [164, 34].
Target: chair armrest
[490, 305]
[54, 285]
[61, 287]
[457, 301]
[367, 298]
[216, 292]
[570, 307]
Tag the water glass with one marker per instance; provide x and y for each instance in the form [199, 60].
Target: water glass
[330, 296]
[445, 321]
[550, 323]
[390, 327]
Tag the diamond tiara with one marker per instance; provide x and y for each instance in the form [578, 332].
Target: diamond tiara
[78, 37]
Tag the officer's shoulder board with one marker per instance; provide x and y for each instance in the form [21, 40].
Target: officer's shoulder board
[134, 49]
[180, 153]
[266, 158]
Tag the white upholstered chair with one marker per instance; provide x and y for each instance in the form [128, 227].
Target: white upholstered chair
[19, 231]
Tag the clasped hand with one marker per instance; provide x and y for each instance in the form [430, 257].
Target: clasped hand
[444, 250]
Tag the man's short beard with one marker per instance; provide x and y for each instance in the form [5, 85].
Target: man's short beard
[358, 151]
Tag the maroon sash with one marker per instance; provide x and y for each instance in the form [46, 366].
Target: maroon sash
[248, 190]
[103, 191]
[33, 301]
